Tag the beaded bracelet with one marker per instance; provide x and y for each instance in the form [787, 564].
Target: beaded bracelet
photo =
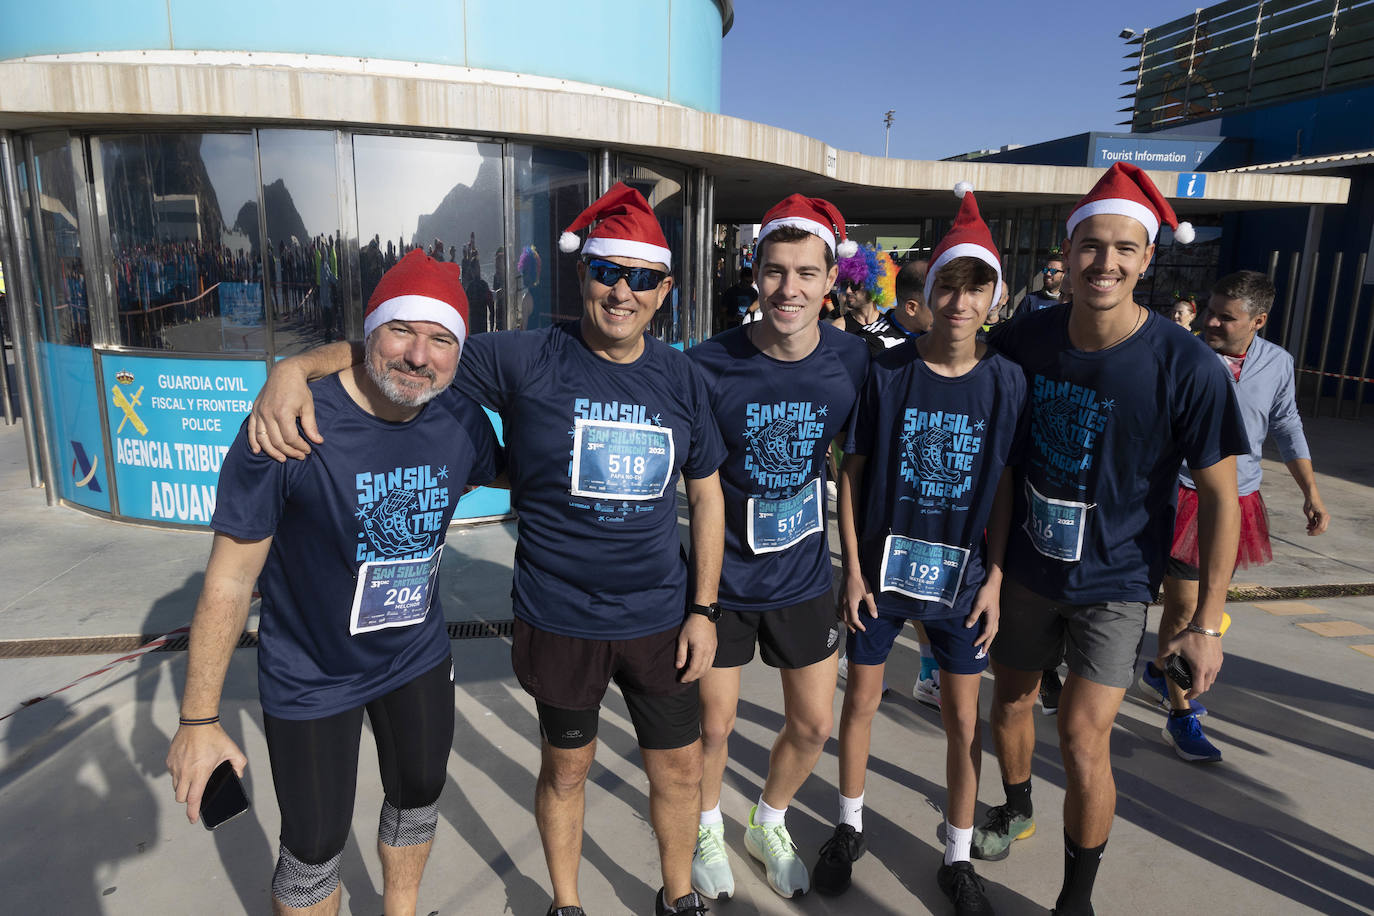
[1194, 628]
[210, 720]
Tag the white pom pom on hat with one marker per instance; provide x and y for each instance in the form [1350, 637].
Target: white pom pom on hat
[1185, 233]
[962, 188]
[847, 249]
[568, 243]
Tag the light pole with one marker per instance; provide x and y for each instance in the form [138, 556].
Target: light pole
[887, 131]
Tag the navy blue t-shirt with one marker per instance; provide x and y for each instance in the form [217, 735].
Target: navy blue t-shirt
[1094, 512]
[936, 448]
[595, 451]
[349, 607]
[777, 419]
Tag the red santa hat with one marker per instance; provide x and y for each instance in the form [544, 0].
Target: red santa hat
[419, 288]
[627, 228]
[1127, 191]
[819, 217]
[969, 237]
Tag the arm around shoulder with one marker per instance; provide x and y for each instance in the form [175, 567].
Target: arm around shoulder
[285, 397]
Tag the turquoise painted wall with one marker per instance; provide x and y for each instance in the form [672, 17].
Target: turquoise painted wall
[669, 49]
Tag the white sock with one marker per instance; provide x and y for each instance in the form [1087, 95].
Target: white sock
[852, 811]
[767, 814]
[708, 818]
[957, 843]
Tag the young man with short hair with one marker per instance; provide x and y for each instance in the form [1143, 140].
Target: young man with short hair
[781, 389]
[1119, 397]
[601, 422]
[926, 475]
[345, 549]
[1262, 376]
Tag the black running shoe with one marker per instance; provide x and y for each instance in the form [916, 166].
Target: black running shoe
[838, 855]
[566, 911]
[689, 905]
[961, 884]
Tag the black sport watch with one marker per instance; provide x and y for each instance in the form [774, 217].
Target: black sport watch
[710, 611]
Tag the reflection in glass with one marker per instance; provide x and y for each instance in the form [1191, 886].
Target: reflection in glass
[664, 189]
[551, 188]
[300, 199]
[64, 315]
[440, 195]
[183, 225]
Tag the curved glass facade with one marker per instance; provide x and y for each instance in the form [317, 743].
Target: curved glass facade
[171, 267]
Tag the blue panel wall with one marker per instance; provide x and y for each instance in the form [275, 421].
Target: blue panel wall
[694, 54]
[669, 49]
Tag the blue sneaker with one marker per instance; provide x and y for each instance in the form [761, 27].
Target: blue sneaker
[1185, 734]
[1156, 690]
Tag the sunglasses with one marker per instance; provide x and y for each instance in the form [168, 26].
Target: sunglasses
[849, 286]
[1051, 271]
[639, 279]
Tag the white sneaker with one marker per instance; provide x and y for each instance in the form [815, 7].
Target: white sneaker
[844, 667]
[711, 875]
[927, 691]
[772, 845]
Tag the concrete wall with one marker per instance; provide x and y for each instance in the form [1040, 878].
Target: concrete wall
[669, 49]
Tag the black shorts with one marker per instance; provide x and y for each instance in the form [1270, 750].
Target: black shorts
[568, 677]
[315, 761]
[787, 637]
[1182, 569]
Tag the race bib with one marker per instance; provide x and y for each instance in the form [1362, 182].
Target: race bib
[393, 593]
[922, 569]
[618, 460]
[777, 524]
[1055, 526]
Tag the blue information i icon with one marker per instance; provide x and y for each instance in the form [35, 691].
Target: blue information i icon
[1191, 184]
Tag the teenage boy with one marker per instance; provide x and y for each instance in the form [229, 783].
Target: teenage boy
[1118, 399]
[781, 389]
[924, 477]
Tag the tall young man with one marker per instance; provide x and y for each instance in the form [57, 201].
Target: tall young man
[1262, 375]
[781, 389]
[345, 548]
[601, 422]
[926, 475]
[1119, 398]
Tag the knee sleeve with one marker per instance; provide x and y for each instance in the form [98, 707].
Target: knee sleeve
[407, 826]
[300, 884]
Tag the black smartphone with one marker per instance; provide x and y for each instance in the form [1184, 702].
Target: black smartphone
[224, 798]
[1179, 671]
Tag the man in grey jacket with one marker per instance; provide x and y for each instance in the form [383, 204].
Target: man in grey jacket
[1262, 373]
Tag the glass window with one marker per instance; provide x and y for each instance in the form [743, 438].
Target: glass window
[551, 188]
[182, 213]
[300, 201]
[65, 315]
[440, 195]
[665, 190]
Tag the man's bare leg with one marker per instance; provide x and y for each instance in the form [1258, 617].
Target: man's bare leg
[1013, 721]
[963, 745]
[559, 804]
[402, 868]
[674, 811]
[329, 906]
[719, 704]
[808, 696]
[1086, 713]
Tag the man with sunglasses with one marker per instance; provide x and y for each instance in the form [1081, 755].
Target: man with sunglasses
[781, 389]
[1052, 279]
[601, 420]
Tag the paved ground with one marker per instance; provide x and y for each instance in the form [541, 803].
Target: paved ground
[1282, 826]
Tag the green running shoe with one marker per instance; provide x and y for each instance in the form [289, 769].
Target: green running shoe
[992, 841]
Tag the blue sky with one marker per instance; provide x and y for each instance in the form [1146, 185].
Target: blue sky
[961, 76]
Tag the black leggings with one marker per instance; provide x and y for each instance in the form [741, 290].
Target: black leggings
[315, 761]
